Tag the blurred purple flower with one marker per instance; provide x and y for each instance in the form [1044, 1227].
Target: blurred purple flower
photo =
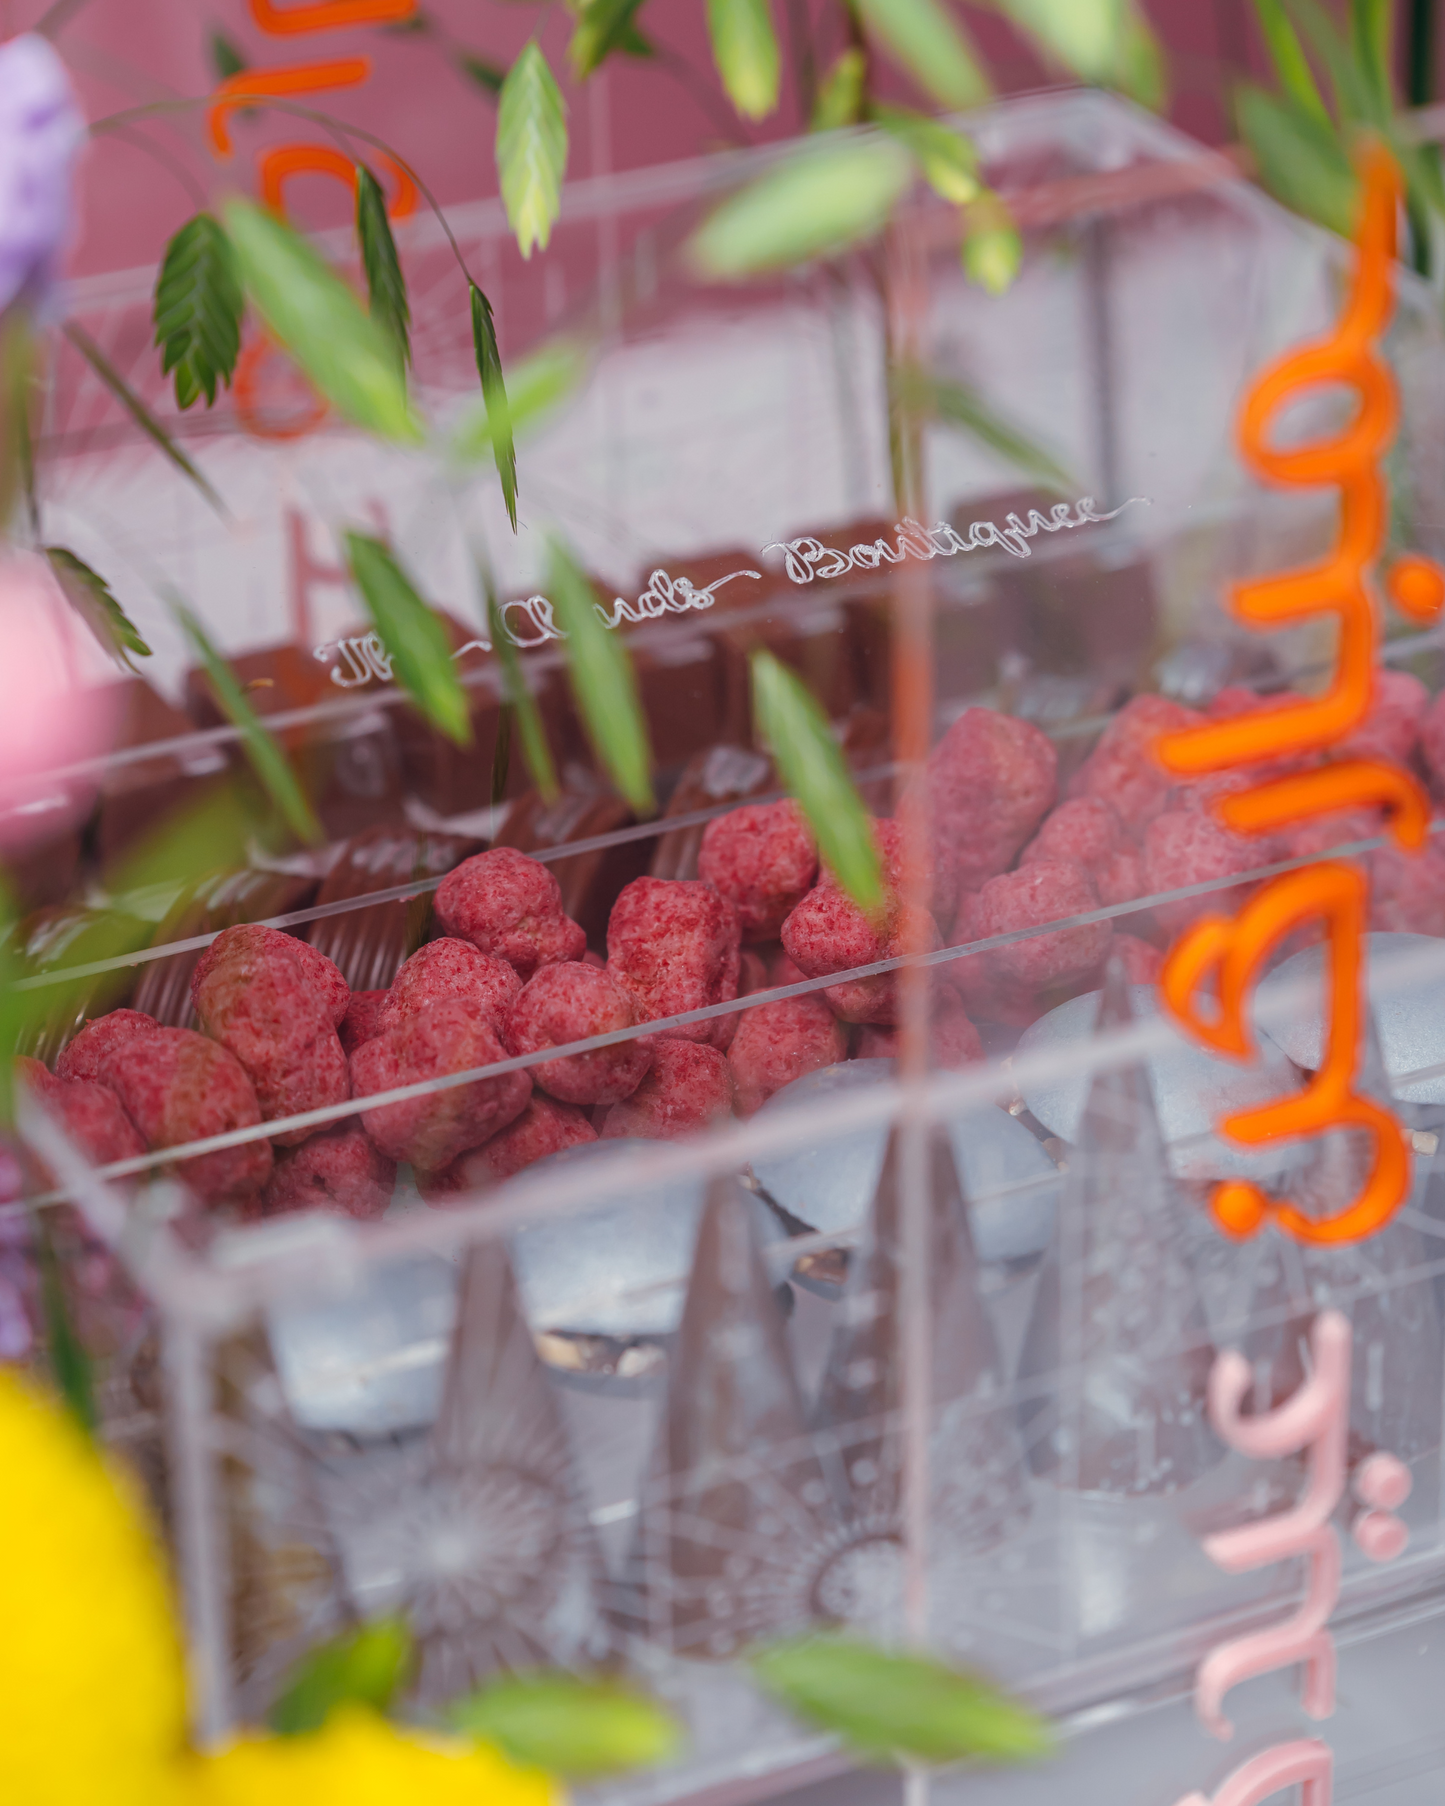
[41, 129]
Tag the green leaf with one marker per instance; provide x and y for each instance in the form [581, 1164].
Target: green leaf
[1372, 43]
[488, 76]
[1298, 159]
[535, 386]
[1141, 71]
[348, 357]
[267, 759]
[494, 396]
[578, 1729]
[817, 199]
[198, 307]
[413, 634]
[138, 410]
[367, 1665]
[523, 705]
[631, 42]
[70, 1364]
[602, 27]
[603, 681]
[954, 404]
[1354, 95]
[923, 37]
[1291, 65]
[90, 596]
[226, 59]
[993, 248]
[840, 93]
[795, 731]
[531, 148]
[745, 49]
[948, 161]
[889, 1705]
[385, 283]
[502, 755]
[1084, 35]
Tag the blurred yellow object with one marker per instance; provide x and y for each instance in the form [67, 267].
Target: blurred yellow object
[92, 1682]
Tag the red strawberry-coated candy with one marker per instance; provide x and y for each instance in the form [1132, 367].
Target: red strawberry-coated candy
[452, 968]
[178, 1086]
[1232, 700]
[1031, 897]
[1084, 829]
[674, 943]
[828, 933]
[752, 976]
[1184, 847]
[91, 1114]
[1122, 768]
[1142, 963]
[689, 1087]
[991, 780]
[783, 970]
[953, 1041]
[779, 1042]
[544, 1127]
[1407, 891]
[340, 1170]
[1120, 878]
[572, 1003]
[362, 1019]
[84, 1057]
[322, 977]
[1432, 742]
[260, 1003]
[763, 860]
[937, 881]
[1319, 835]
[509, 905]
[1391, 730]
[431, 1131]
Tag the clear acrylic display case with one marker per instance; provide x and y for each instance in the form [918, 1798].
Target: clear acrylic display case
[648, 1405]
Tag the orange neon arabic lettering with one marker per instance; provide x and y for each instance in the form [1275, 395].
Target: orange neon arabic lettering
[252, 85]
[1230, 954]
[286, 160]
[328, 15]
[246, 387]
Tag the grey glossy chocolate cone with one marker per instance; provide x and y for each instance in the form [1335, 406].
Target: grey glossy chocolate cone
[1113, 1375]
[287, 1585]
[477, 1535]
[735, 1507]
[976, 1476]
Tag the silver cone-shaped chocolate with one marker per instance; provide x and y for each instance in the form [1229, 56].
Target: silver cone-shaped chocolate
[477, 1535]
[1115, 1365]
[736, 1507]
[976, 1475]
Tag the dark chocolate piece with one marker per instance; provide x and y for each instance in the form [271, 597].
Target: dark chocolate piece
[136, 796]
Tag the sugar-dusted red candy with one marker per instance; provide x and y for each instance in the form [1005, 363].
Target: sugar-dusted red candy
[572, 1003]
[991, 780]
[689, 1087]
[953, 1041]
[509, 905]
[430, 1131]
[544, 1127]
[1085, 829]
[260, 1001]
[779, 1042]
[1317, 836]
[1032, 897]
[452, 968]
[178, 1086]
[784, 970]
[1183, 847]
[84, 1057]
[675, 944]
[362, 1019]
[1392, 728]
[90, 1113]
[1119, 878]
[763, 859]
[1407, 891]
[752, 976]
[1432, 742]
[828, 933]
[1122, 768]
[341, 1170]
[321, 975]
[1142, 963]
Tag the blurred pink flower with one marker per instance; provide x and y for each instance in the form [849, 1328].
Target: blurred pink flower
[48, 719]
[41, 130]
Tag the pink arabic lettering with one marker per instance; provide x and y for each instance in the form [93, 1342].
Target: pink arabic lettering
[1306, 1763]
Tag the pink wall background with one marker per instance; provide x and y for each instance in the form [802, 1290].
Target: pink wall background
[135, 53]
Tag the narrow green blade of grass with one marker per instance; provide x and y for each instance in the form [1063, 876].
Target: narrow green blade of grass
[603, 682]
